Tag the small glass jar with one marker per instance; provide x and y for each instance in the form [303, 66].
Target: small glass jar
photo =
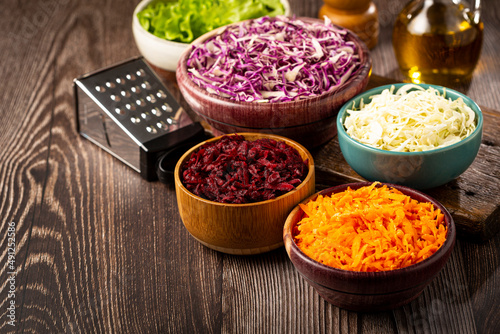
[359, 16]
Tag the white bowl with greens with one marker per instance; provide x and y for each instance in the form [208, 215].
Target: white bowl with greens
[163, 29]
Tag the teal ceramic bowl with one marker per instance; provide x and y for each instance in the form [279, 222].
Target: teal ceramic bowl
[419, 170]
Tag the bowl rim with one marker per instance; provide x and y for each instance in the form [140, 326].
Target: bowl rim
[364, 68]
[447, 246]
[296, 145]
[141, 5]
[367, 95]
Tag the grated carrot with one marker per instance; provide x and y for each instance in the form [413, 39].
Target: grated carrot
[373, 228]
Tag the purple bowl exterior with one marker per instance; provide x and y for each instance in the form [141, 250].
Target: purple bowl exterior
[323, 131]
[274, 115]
[367, 302]
[370, 291]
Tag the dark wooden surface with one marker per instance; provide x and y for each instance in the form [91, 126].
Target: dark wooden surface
[99, 250]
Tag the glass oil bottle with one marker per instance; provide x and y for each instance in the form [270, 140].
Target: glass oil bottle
[438, 41]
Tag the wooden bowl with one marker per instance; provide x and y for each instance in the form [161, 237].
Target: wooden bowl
[241, 228]
[310, 121]
[369, 291]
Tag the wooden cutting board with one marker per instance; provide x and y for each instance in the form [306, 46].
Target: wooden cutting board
[473, 199]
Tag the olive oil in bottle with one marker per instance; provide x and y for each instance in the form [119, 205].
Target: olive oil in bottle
[437, 41]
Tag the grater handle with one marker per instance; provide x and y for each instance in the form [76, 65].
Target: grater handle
[166, 162]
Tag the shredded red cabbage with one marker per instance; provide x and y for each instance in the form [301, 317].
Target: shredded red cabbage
[274, 59]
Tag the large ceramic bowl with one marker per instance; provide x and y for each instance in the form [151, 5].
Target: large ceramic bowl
[160, 52]
[310, 121]
[368, 291]
[241, 229]
[420, 170]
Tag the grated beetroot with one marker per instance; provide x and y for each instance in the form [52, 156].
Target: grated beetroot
[234, 170]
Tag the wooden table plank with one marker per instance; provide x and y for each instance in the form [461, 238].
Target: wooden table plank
[100, 250]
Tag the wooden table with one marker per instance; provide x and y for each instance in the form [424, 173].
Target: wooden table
[100, 250]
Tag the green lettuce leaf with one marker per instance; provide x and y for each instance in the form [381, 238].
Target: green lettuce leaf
[185, 20]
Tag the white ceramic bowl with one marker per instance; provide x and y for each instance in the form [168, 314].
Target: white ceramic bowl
[161, 52]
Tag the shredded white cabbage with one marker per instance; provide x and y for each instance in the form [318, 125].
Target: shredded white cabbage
[410, 121]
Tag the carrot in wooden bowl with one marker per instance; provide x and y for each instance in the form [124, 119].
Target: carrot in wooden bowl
[369, 246]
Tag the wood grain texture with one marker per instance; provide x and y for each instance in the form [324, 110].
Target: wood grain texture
[100, 250]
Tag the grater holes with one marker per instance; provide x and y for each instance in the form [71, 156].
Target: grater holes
[151, 129]
[120, 111]
[167, 108]
[130, 106]
[162, 125]
[136, 90]
[140, 73]
[137, 101]
[156, 111]
[161, 94]
[146, 85]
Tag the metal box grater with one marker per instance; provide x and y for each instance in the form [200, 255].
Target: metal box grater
[127, 111]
